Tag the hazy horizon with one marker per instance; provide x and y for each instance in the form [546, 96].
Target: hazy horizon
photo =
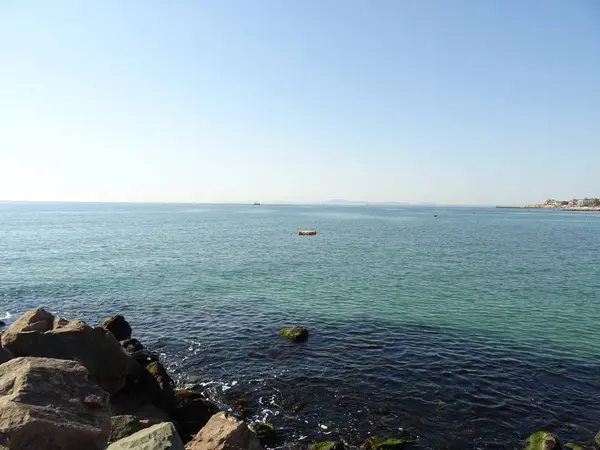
[453, 103]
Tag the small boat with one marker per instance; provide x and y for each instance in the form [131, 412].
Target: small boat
[307, 232]
[256, 204]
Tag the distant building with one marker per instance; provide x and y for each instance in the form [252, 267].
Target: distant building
[586, 202]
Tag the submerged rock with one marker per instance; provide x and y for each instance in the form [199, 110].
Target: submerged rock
[39, 333]
[299, 407]
[295, 333]
[573, 446]
[265, 432]
[543, 440]
[224, 432]
[328, 445]
[383, 443]
[157, 437]
[50, 404]
[118, 326]
[2, 324]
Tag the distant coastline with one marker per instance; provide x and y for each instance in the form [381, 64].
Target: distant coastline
[585, 204]
[559, 208]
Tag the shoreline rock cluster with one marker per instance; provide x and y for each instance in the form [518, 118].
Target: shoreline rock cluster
[65, 385]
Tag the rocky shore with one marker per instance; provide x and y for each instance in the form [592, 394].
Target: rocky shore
[66, 385]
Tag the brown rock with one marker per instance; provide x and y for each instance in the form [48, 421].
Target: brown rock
[51, 404]
[145, 385]
[164, 397]
[224, 432]
[39, 333]
[192, 411]
[118, 326]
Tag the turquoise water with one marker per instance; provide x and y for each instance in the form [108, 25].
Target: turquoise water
[196, 280]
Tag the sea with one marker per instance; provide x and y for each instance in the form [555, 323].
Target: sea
[454, 328]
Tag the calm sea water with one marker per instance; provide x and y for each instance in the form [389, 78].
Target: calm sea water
[469, 330]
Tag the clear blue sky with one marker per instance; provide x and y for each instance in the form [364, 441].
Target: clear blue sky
[459, 102]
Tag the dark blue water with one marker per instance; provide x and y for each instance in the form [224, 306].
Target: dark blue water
[461, 331]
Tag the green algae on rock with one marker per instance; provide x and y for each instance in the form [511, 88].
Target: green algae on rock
[295, 333]
[327, 445]
[573, 446]
[543, 440]
[265, 432]
[187, 393]
[383, 443]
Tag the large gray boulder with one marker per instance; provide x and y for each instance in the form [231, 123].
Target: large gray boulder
[158, 437]
[51, 404]
[39, 333]
[224, 432]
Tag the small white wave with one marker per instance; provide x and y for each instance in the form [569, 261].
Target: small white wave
[7, 315]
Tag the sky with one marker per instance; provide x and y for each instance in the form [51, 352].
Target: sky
[452, 102]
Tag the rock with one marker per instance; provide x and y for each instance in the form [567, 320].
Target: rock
[265, 432]
[123, 426]
[131, 345]
[224, 432]
[161, 436]
[145, 385]
[192, 411]
[543, 440]
[597, 439]
[2, 324]
[164, 397]
[328, 445]
[144, 357]
[5, 355]
[142, 412]
[39, 333]
[51, 404]
[118, 326]
[383, 443]
[182, 394]
[295, 334]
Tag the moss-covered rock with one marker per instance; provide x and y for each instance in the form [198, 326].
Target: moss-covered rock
[327, 445]
[265, 432]
[543, 440]
[187, 394]
[597, 439]
[573, 446]
[383, 443]
[295, 333]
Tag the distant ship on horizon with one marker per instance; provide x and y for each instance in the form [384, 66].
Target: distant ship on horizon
[256, 204]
